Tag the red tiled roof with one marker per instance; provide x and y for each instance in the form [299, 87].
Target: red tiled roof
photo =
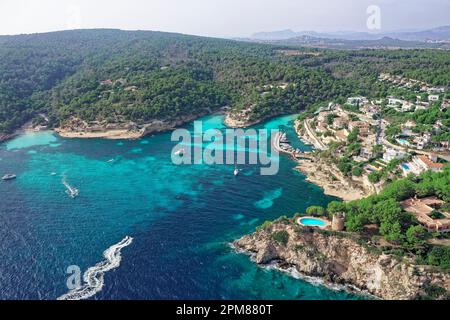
[430, 164]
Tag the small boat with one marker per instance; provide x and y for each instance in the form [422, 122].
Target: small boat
[236, 172]
[110, 161]
[179, 152]
[8, 177]
[284, 138]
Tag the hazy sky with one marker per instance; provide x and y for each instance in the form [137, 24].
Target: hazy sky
[221, 18]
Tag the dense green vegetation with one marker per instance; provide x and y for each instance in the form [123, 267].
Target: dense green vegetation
[424, 120]
[395, 225]
[162, 76]
[282, 237]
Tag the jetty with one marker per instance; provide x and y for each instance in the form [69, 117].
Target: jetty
[282, 145]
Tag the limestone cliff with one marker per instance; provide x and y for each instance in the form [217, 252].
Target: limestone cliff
[341, 259]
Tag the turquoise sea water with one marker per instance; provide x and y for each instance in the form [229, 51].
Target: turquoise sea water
[182, 219]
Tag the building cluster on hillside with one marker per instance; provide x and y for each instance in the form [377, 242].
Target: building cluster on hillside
[401, 105]
[403, 82]
[422, 163]
[421, 140]
[429, 212]
[415, 137]
[334, 124]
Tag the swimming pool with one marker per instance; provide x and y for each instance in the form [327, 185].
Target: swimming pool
[405, 166]
[402, 141]
[312, 222]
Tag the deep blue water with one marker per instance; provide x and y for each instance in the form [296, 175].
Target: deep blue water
[182, 219]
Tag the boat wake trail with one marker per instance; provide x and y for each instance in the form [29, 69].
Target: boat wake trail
[71, 191]
[94, 276]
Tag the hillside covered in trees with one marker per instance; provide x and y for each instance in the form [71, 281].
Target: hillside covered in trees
[140, 76]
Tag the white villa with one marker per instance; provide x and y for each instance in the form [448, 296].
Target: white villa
[357, 100]
[392, 154]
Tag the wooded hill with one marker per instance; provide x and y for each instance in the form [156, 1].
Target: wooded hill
[121, 76]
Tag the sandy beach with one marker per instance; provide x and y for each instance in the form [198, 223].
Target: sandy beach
[27, 127]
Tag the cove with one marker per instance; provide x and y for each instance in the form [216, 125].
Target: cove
[181, 218]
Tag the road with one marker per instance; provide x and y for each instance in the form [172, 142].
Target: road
[316, 141]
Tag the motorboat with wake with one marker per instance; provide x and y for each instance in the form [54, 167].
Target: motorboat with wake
[71, 191]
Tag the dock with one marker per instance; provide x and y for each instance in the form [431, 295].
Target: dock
[282, 145]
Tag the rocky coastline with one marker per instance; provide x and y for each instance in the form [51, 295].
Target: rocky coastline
[76, 128]
[27, 127]
[340, 259]
[238, 121]
[5, 137]
[328, 177]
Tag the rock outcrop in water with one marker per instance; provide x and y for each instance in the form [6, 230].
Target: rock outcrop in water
[341, 259]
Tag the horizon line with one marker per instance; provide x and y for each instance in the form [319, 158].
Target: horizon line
[231, 36]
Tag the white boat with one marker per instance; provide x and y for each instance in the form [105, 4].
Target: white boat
[284, 138]
[179, 152]
[8, 177]
[236, 172]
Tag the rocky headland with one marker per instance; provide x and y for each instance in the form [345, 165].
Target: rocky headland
[76, 128]
[340, 258]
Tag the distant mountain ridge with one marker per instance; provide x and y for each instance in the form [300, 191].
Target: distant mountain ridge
[344, 44]
[441, 33]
